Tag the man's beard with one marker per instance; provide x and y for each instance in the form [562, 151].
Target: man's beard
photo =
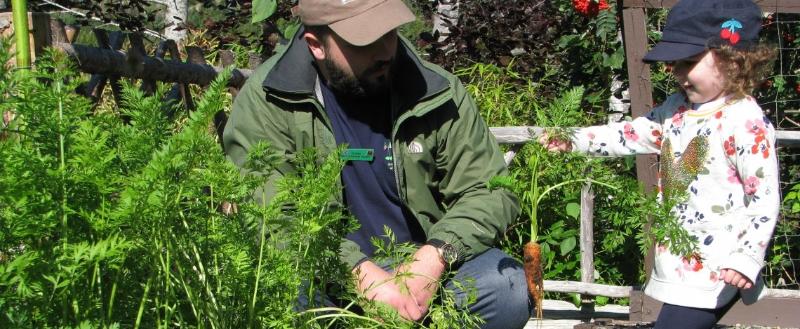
[349, 86]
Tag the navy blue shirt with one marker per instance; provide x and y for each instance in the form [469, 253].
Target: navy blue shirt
[370, 187]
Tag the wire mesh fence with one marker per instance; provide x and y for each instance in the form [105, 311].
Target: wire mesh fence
[783, 258]
[779, 96]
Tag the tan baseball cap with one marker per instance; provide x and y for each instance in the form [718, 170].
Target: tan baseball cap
[359, 22]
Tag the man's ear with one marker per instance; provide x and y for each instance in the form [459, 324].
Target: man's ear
[315, 45]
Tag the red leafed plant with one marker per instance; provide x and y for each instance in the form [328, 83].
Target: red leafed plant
[589, 8]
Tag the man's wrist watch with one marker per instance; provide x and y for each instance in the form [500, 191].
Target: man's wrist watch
[447, 252]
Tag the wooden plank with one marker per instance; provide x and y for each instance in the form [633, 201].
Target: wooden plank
[636, 305]
[770, 311]
[635, 38]
[515, 135]
[593, 289]
[634, 21]
[788, 138]
[587, 243]
[771, 6]
[779, 6]
[560, 314]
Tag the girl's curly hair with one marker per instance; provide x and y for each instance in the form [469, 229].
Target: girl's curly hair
[744, 69]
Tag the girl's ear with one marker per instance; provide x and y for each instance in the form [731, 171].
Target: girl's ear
[315, 45]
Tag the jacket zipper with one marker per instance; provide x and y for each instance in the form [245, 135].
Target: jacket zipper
[395, 126]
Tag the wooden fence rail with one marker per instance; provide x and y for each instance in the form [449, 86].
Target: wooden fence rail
[134, 65]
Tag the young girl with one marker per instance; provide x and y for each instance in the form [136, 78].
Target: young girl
[716, 148]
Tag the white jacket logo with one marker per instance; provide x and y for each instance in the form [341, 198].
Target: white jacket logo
[414, 148]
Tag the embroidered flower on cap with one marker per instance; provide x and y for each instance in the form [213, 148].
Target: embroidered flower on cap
[728, 31]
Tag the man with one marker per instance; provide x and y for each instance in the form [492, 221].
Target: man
[419, 155]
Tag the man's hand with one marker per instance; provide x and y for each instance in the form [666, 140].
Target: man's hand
[421, 277]
[381, 286]
[554, 144]
[734, 278]
[410, 289]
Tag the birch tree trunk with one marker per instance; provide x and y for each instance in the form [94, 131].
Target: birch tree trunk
[175, 20]
[446, 15]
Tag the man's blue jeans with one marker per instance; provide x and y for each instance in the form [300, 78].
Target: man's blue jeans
[499, 283]
[502, 293]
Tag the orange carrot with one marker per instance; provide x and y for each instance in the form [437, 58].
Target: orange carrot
[533, 272]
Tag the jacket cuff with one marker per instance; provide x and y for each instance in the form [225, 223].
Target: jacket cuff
[350, 254]
[744, 264]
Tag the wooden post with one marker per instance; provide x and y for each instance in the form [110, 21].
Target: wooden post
[38, 31]
[57, 32]
[96, 85]
[72, 32]
[587, 245]
[635, 38]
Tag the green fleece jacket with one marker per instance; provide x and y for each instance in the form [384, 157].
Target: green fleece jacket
[444, 153]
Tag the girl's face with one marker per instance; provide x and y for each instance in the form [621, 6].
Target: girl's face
[699, 77]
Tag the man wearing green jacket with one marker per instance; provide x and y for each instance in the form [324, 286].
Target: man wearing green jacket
[419, 155]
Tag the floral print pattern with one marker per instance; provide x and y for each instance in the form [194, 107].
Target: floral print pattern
[751, 185]
[721, 153]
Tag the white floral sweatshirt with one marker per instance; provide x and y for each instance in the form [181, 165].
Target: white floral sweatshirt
[733, 194]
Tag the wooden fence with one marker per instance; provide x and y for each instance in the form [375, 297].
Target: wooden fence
[108, 63]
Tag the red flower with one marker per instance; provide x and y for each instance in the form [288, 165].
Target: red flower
[677, 117]
[589, 8]
[657, 134]
[730, 146]
[630, 134]
[751, 185]
[759, 129]
[693, 264]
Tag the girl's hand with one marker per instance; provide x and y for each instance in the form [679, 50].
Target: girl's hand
[734, 278]
[554, 144]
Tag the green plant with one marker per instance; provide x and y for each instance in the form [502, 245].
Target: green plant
[507, 98]
[108, 223]
[104, 223]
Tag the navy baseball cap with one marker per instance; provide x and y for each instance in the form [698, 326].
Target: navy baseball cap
[696, 25]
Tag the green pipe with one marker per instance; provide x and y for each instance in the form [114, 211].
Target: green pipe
[21, 32]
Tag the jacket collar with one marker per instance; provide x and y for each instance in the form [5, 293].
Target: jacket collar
[295, 73]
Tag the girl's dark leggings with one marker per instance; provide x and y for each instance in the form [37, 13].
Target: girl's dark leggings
[682, 317]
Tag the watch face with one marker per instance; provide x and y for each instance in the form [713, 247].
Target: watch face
[449, 253]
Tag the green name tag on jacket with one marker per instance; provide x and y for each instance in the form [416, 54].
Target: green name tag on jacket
[358, 154]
